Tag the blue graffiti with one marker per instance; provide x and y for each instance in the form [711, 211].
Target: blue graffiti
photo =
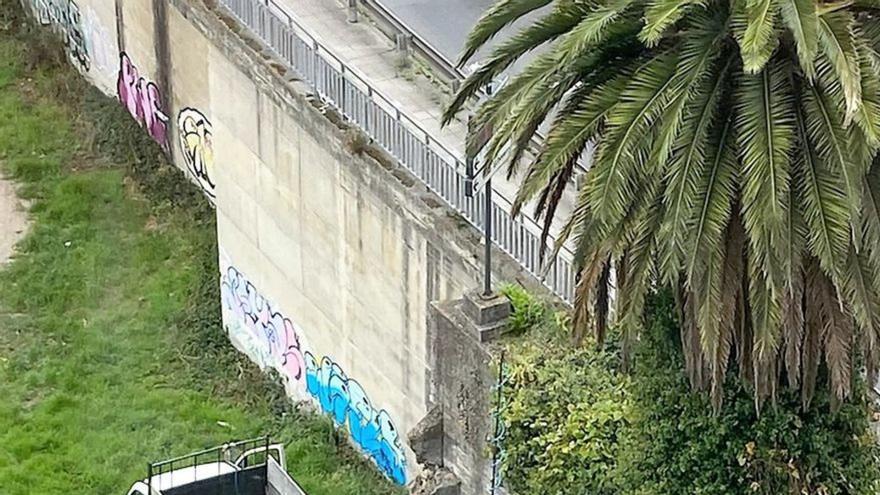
[346, 402]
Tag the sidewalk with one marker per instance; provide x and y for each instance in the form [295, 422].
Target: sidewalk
[368, 52]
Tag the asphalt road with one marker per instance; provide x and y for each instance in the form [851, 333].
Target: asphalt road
[442, 23]
[445, 24]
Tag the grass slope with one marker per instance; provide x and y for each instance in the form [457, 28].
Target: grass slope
[111, 350]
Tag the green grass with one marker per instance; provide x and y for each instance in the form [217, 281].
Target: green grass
[111, 350]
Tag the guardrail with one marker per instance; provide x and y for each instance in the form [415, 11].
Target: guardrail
[439, 61]
[442, 170]
[436, 59]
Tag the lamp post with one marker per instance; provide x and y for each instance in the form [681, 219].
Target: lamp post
[477, 139]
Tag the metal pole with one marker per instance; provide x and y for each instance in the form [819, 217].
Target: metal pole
[469, 177]
[487, 280]
[266, 465]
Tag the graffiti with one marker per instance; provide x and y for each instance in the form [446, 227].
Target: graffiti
[142, 99]
[100, 43]
[277, 338]
[65, 17]
[272, 340]
[194, 131]
[346, 402]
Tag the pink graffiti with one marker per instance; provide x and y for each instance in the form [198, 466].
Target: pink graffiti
[143, 100]
[264, 323]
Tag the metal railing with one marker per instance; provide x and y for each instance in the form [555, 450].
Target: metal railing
[447, 68]
[440, 169]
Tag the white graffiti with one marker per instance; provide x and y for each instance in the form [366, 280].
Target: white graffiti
[64, 16]
[100, 43]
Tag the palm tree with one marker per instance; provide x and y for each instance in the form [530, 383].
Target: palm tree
[735, 143]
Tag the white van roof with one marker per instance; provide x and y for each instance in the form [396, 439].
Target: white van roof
[184, 476]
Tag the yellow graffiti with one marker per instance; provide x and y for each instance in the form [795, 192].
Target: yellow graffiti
[196, 144]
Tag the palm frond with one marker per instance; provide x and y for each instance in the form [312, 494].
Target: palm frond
[547, 205]
[731, 296]
[868, 114]
[591, 30]
[686, 166]
[859, 285]
[753, 27]
[572, 129]
[624, 146]
[661, 14]
[801, 19]
[695, 64]
[832, 146]
[820, 188]
[765, 127]
[717, 304]
[871, 217]
[814, 329]
[500, 15]
[793, 295]
[836, 37]
[546, 29]
[838, 348]
[765, 301]
[640, 262]
[715, 197]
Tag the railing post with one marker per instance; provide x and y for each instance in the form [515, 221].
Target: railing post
[367, 108]
[352, 11]
[342, 95]
[403, 48]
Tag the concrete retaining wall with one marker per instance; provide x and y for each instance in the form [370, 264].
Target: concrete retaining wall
[329, 257]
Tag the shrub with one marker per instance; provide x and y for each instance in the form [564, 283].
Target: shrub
[564, 409]
[577, 426]
[528, 312]
[675, 444]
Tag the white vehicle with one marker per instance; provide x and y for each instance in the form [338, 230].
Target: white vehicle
[250, 467]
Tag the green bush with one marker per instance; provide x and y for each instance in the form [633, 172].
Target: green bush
[528, 312]
[564, 410]
[675, 444]
[576, 426]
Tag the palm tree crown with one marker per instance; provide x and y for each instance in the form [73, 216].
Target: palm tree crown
[735, 143]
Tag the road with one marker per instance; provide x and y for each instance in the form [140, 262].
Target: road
[445, 24]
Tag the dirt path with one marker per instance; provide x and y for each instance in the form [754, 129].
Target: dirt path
[13, 219]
